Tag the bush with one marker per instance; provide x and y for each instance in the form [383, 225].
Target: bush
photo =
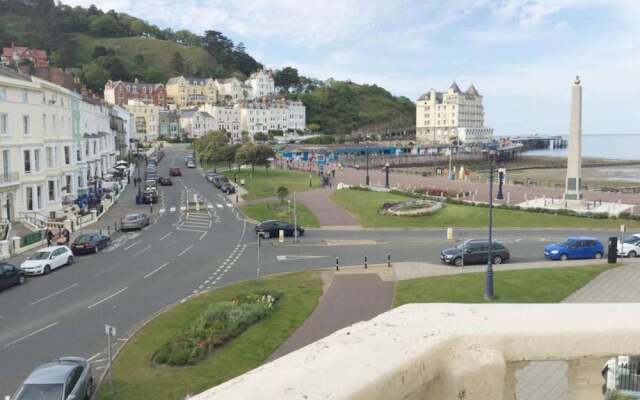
[220, 323]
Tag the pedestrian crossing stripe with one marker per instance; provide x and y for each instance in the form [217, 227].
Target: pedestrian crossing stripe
[219, 205]
[162, 211]
[183, 208]
[229, 205]
[172, 209]
[209, 206]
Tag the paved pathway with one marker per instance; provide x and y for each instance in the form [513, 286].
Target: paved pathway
[351, 298]
[328, 212]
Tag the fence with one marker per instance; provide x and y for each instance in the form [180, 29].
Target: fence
[31, 238]
[628, 378]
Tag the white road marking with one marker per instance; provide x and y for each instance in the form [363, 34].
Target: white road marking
[166, 236]
[219, 205]
[209, 206]
[517, 240]
[156, 270]
[229, 205]
[108, 297]
[183, 208]
[172, 209]
[203, 235]
[185, 250]
[132, 244]
[295, 257]
[51, 325]
[54, 294]
[99, 360]
[194, 222]
[162, 211]
[142, 251]
[93, 357]
[191, 230]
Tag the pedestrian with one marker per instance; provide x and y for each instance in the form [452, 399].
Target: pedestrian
[67, 236]
[333, 173]
[49, 235]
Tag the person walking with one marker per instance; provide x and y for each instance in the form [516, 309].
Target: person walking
[67, 236]
[49, 235]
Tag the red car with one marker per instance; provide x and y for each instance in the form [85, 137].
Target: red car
[175, 172]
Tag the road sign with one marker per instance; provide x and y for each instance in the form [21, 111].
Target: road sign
[110, 330]
[622, 228]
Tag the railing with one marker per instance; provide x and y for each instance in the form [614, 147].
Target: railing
[9, 178]
[5, 229]
[37, 221]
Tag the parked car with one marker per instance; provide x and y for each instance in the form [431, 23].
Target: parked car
[90, 243]
[66, 378]
[165, 181]
[175, 172]
[150, 196]
[475, 252]
[134, 221]
[46, 260]
[219, 180]
[630, 246]
[227, 188]
[211, 175]
[272, 228]
[575, 247]
[191, 164]
[10, 275]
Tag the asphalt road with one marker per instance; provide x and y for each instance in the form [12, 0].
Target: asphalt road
[181, 254]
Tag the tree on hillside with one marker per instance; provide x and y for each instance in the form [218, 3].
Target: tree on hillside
[138, 60]
[102, 25]
[154, 74]
[177, 64]
[218, 45]
[286, 78]
[95, 76]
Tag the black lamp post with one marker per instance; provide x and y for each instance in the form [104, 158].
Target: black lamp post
[386, 175]
[366, 147]
[488, 288]
[501, 173]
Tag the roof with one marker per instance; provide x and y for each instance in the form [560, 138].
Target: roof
[455, 87]
[10, 73]
[21, 50]
[472, 91]
[51, 372]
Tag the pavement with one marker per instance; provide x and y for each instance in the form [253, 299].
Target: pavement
[326, 210]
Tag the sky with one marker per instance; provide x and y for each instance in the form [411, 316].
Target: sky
[522, 55]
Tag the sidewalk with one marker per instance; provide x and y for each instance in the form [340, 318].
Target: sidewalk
[327, 211]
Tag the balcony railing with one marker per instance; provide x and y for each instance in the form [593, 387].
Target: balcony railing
[9, 178]
[449, 351]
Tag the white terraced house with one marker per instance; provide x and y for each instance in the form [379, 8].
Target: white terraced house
[261, 84]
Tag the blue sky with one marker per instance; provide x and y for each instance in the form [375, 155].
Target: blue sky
[521, 54]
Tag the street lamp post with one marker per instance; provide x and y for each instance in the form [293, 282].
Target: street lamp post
[488, 288]
[386, 175]
[366, 146]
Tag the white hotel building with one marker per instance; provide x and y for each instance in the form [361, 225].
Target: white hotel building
[52, 142]
[442, 117]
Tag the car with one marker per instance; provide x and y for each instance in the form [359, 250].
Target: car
[219, 180]
[211, 175]
[134, 221]
[175, 172]
[165, 181]
[46, 260]
[575, 247]
[227, 188]
[271, 228]
[90, 243]
[65, 378]
[10, 275]
[191, 164]
[475, 251]
[629, 246]
[150, 196]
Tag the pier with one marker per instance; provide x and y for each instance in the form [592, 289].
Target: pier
[536, 142]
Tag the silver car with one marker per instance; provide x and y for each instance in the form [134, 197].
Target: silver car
[67, 378]
[134, 221]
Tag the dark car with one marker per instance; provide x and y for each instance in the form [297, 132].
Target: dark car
[66, 378]
[165, 181]
[575, 247]
[150, 196]
[227, 188]
[90, 243]
[475, 252]
[175, 172]
[10, 275]
[219, 180]
[272, 228]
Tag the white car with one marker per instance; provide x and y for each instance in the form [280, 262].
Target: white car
[630, 246]
[191, 164]
[46, 260]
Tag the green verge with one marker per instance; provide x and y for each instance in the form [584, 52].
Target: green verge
[545, 285]
[364, 205]
[136, 377]
[276, 210]
[262, 183]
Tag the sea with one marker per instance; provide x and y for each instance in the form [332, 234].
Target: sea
[610, 146]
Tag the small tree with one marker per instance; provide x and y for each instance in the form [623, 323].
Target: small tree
[282, 193]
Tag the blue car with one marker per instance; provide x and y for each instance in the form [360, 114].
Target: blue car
[575, 248]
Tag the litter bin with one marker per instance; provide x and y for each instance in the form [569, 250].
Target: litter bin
[612, 253]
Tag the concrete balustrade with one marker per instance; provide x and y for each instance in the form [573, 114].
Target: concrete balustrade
[447, 351]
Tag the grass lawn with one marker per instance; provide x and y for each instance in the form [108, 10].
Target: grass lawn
[137, 377]
[546, 285]
[261, 183]
[364, 205]
[276, 210]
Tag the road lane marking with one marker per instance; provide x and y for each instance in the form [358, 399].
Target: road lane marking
[183, 208]
[190, 230]
[166, 236]
[185, 250]
[172, 209]
[132, 244]
[108, 297]
[294, 258]
[55, 294]
[219, 205]
[162, 211]
[28, 335]
[203, 235]
[156, 270]
[229, 205]
[142, 251]
[209, 206]
[93, 357]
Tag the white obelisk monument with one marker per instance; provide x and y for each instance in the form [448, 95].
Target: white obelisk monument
[573, 192]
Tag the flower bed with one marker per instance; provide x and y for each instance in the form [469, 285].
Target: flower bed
[219, 324]
[411, 208]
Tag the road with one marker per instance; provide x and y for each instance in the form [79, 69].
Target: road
[180, 255]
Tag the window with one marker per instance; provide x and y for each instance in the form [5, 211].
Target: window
[36, 160]
[54, 122]
[67, 155]
[4, 124]
[67, 179]
[39, 196]
[26, 129]
[52, 190]
[5, 164]
[3, 94]
[29, 198]
[44, 122]
[25, 96]
[27, 162]
[49, 157]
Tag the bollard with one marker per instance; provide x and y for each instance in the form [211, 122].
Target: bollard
[365, 262]
[389, 260]
[337, 264]
[449, 233]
